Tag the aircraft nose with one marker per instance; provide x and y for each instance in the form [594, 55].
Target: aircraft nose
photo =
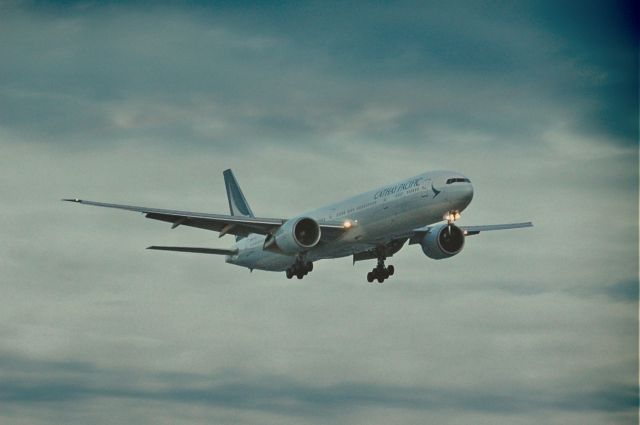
[467, 194]
[464, 196]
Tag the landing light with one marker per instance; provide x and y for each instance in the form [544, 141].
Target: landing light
[347, 224]
[451, 216]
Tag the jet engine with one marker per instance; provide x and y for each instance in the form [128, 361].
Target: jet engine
[297, 235]
[443, 241]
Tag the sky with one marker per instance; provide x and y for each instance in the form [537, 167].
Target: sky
[146, 103]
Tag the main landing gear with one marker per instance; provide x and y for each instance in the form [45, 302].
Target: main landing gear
[300, 268]
[380, 272]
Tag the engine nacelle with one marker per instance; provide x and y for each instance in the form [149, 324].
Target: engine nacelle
[443, 241]
[297, 235]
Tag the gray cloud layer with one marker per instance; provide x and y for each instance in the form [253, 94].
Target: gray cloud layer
[309, 102]
[73, 381]
[222, 75]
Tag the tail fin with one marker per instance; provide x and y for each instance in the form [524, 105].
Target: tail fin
[238, 204]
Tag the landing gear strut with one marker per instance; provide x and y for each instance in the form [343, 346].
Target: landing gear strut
[380, 272]
[451, 217]
[300, 268]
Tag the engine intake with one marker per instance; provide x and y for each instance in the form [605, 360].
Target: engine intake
[443, 241]
[306, 232]
[296, 235]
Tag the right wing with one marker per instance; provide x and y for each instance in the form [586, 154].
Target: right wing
[198, 250]
[225, 224]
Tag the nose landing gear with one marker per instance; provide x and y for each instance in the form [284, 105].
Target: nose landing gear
[451, 217]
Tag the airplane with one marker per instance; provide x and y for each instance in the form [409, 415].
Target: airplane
[373, 225]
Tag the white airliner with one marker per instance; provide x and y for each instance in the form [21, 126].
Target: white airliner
[373, 225]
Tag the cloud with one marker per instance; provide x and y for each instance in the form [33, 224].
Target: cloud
[308, 103]
[221, 77]
[69, 382]
[622, 291]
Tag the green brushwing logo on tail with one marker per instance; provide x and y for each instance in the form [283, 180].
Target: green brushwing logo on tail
[238, 204]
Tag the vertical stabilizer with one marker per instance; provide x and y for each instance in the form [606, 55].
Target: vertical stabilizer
[238, 204]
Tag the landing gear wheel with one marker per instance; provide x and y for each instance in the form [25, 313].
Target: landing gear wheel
[380, 272]
[300, 268]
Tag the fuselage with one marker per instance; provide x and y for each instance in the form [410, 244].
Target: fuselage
[376, 217]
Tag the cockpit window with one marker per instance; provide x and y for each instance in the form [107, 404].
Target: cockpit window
[458, 180]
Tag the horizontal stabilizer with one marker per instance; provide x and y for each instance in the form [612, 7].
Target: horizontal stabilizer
[198, 250]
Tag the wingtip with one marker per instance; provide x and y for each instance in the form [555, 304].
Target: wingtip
[71, 200]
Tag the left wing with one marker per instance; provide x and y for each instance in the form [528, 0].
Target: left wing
[225, 224]
[419, 233]
[474, 230]
[416, 235]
